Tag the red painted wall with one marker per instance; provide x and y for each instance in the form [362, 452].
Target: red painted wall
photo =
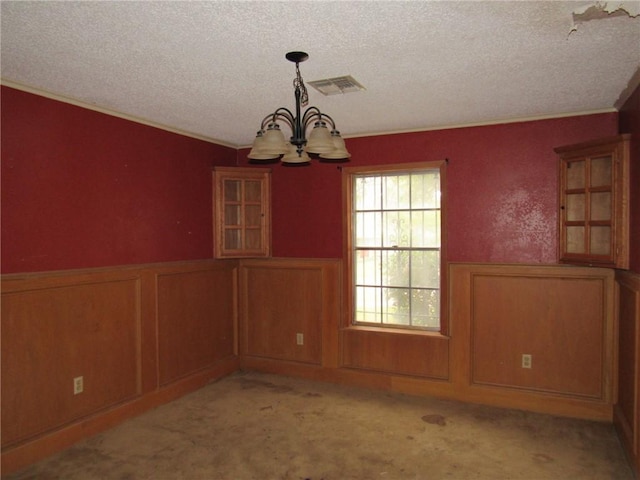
[84, 189]
[501, 188]
[630, 123]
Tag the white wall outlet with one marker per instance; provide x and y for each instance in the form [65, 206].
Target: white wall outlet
[78, 385]
[527, 360]
[299, 339]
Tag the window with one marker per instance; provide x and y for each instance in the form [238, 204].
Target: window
[395, 245]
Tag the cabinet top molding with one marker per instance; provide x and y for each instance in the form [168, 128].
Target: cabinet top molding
[599, 142]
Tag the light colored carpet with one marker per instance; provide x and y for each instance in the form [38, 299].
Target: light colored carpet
[257, 426]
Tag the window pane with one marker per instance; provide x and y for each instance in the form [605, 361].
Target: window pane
[425, 269]
[426, 308]
[425, 190]
[368, 267]
[425, 229]
[390, 193]
[368, 229]
[395, 268]
[367, 193]
[396, 307]
[396, 192]
[397, 229]
[367, 304]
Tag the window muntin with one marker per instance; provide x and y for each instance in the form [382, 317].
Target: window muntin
[396, 247]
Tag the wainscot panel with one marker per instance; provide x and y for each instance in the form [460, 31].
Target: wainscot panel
[404, 353]
[627, 409]
[137, 336]
[562, 318]
[67, 330]
[289, 309]
[537, 317]
[195, 321]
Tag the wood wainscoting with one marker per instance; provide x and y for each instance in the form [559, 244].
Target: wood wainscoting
[137, 335]
[627, 408]
[562, 316]
[143, 335]
[289, 309]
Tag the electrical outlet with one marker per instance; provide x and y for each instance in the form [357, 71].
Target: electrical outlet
[78, 385]
[527, 360]
[299, 339]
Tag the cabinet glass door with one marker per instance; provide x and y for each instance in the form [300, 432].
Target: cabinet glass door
[241, 212]
[587, 205]
[594, 202]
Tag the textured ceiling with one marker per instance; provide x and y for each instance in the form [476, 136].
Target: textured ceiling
[215, 69]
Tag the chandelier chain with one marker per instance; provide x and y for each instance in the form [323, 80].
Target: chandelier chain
[298, 83]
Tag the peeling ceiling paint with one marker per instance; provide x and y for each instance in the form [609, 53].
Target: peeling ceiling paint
[604, 10]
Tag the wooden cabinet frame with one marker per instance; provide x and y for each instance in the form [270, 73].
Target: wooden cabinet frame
[594, 203]
[241, 212]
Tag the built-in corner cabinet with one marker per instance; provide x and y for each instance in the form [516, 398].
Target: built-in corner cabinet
[594, 203]
[241, 212]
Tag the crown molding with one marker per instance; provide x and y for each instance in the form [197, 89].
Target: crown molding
[61, 98]
[113, 113]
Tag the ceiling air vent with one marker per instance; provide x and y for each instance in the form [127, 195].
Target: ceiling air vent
[337, 85]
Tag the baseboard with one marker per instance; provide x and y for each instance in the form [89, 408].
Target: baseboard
[491, 396]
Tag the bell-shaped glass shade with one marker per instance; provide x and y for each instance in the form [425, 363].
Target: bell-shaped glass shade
[273, 141]
[320, 139]
[339, 151]
[292, 157]
[257, 149]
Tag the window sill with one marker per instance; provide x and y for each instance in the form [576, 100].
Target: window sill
[395, 331]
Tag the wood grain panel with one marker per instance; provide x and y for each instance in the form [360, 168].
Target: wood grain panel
[627, 411]
[196, 320]
[420, 354]
[114, 326]
[183, 329]
[559, 321]
[562, 315]
[281, 298]
[59, 331]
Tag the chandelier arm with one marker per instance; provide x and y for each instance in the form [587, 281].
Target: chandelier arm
[313, 113]
[327, 117]
[310, 114]
[266, 121]
[282, 114]
[286, 115]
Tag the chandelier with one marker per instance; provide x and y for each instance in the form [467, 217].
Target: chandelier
[270, 144]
